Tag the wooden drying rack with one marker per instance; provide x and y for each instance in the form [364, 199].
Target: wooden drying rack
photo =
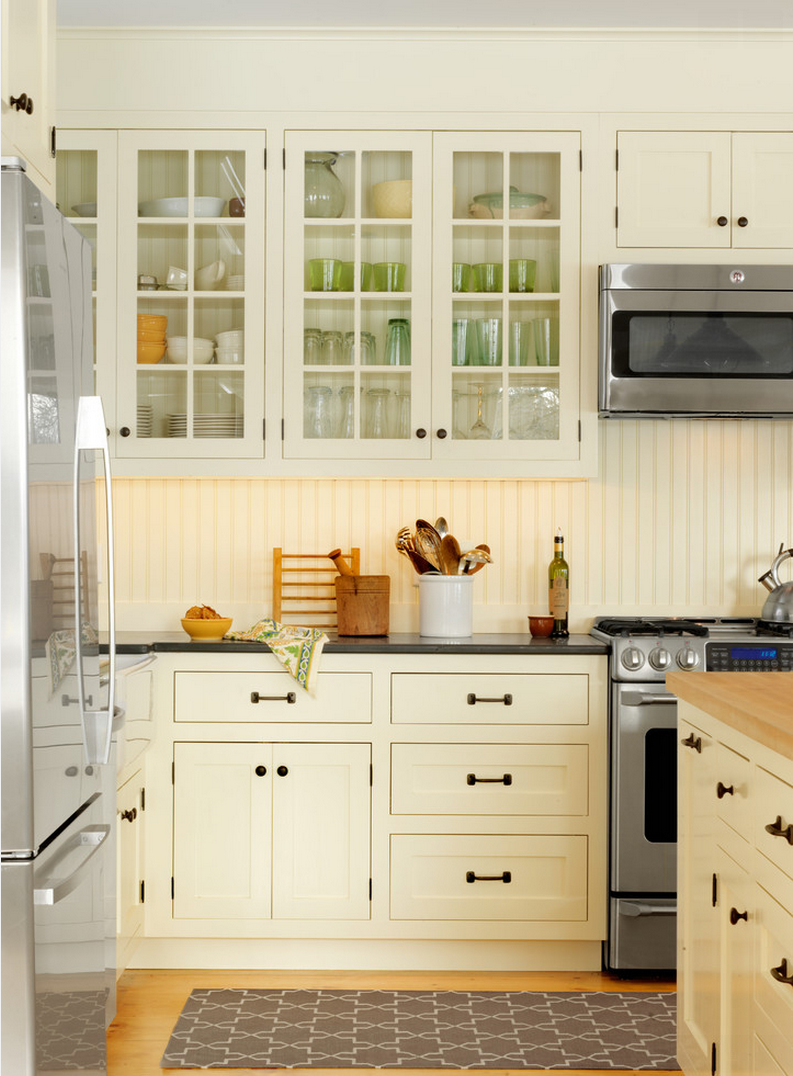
[304, 587]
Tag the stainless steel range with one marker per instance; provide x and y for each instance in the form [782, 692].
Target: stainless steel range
[643, 750]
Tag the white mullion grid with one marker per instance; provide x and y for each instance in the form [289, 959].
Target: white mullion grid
[506, 223]
[190, 372]
[356, 285]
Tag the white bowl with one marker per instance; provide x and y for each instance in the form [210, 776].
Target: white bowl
[177, 207]
[227, 356]
[85, 209]
[210, 277]
[201, 356]
[231, 338]
[198, 342]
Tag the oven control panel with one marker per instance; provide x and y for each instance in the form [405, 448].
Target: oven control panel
[766, 656]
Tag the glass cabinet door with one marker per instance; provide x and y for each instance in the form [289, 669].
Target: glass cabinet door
[85, 192]
[191, 294]
[506, 295]
[357, 295]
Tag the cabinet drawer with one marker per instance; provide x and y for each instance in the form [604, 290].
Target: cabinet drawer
[773, 807]
[732, 783]
[344, 698]
[774, 951]
[490, 698]
[489, 779]
[438, 876]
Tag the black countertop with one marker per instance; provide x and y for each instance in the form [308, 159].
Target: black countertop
[138, 642]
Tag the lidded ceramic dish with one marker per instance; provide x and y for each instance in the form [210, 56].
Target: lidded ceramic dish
[521, 206]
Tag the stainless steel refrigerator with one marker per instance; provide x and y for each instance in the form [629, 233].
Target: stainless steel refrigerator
[58, 784]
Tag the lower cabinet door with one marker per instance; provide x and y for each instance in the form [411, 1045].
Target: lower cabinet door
[321, 823]
[222, 830]
[129, 869]
[737, 919]
[463, 876]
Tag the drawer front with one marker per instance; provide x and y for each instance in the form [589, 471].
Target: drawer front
[774, 956]
[521, 878]
[489, 779]
[490, 698]
[732, 783]
[774, 808]
[343, 698]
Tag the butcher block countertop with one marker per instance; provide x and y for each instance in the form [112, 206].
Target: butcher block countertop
[758, 704]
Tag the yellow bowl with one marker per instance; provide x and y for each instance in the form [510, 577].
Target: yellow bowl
[153, 321]
[207, 631]
[150, 353]
[151, 336]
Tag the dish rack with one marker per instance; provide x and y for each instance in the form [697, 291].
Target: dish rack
[304, 587]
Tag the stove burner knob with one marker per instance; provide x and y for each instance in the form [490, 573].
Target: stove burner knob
[687, 658]
[632, 658]
[660, 659]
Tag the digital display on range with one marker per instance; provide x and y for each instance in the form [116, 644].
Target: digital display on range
[745, 653]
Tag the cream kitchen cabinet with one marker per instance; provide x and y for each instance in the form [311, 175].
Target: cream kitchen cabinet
[716, 189]
[483, 372]
[130, 883]
[27, 73]
[735, 889]
[271, 831]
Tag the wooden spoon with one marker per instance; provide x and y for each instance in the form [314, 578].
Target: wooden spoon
[450, 554]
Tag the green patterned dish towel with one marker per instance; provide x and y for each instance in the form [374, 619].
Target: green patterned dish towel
[298, 649]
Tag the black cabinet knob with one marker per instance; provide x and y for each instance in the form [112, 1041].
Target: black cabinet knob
[421, 432]
[282, 771]
[722, 222]
[23, 103]
[736, 916]
[260, 771]
[129, 816]
[441, 434]
[742, 222]
[724, 790]
[125, 431]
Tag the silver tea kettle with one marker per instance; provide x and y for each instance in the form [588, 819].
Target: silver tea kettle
[778, 606]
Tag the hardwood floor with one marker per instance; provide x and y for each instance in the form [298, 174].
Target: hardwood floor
[149, 1003]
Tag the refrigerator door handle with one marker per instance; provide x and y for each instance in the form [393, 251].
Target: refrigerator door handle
[91, 434]
[634, 909]
[52, 889]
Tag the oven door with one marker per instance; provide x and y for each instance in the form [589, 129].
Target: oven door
[643, 790]
[697, 353]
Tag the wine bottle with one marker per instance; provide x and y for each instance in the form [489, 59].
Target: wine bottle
[559, 589]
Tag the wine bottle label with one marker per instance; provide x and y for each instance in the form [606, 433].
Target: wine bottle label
[559, 598]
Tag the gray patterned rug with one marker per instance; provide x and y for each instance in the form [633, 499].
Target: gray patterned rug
[432, 1029]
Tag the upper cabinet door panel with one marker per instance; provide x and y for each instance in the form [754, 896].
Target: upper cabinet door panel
[673, 189]
[27, 75]
[762, 182]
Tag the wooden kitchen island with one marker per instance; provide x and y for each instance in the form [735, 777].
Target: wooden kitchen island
[735, 872]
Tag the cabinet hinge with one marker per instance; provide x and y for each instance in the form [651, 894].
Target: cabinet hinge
[173, 888]
[142, 898]
[713, 1059]
[580, 160]
[143, 799]
[282, 429]
[265, 160]
[579, 430]
[616, 216]
[264, 429]
[370, 889]
[714, 892]
[284, 158]
[53, 141]
[617, 159]
[371, 771]
[173, 773]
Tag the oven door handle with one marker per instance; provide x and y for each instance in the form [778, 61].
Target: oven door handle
[640, 698]
[634, 909]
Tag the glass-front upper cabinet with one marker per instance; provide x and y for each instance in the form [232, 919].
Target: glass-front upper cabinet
[85, 192]
[191, 285]
[506, 295]
[357, 286]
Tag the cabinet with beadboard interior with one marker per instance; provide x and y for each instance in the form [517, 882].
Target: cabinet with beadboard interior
[413, 375]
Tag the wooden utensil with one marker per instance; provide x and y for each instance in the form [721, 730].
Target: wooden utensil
[476, 557]
[340, 562]
[450, 554]
[480, 564]
[428, 542]
[421, 564]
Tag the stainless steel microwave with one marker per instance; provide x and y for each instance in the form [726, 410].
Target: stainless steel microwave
[696, 341]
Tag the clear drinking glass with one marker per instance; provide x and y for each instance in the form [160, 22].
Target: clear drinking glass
[317, 411]
[397, 342]
[376, 425]
[332, 347]
[368, 349]
[347, 412]
[312, 346]
[402, 419]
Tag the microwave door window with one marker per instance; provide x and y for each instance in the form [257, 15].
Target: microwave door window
[705, 345]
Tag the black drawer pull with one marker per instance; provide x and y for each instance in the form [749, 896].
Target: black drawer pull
[472, 779]
[724, 790]
[129, 816]
[781, 975]
[474, 699]
[471, 876]
[776, 829]
[693, 741]
[290, 697]
[735, 916]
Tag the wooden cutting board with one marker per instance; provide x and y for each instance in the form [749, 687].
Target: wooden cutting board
[362, 604]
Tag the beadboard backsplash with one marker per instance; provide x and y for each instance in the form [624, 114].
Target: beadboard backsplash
[683, 518]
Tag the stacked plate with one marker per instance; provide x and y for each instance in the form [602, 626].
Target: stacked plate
[144, 420]
[212, 424]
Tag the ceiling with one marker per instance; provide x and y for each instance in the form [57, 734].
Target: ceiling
[704, 14]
